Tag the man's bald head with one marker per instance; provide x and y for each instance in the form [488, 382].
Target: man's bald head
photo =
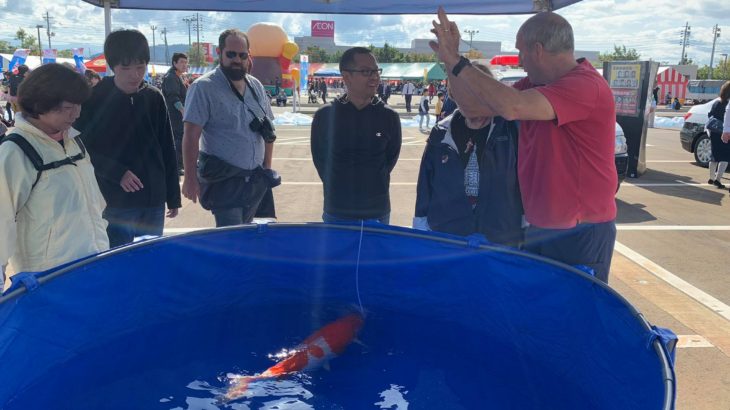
[549, 29]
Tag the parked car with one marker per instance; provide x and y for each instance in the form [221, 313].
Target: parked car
[693, 136]
[621, 155]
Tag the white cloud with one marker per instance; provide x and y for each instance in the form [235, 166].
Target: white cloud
[652, 27]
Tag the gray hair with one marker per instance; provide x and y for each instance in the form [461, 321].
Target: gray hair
[549, 29]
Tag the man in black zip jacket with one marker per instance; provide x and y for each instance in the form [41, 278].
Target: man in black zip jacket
[355, 143]
[126, 129]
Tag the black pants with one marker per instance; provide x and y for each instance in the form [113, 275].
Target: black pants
[178, 151]
[408, 102]
[586, 244]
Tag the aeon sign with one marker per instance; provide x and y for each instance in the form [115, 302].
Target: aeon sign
[323, 28]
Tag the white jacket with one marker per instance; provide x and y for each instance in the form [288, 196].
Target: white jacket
[60, 219]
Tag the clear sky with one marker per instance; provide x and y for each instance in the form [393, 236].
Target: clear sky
[652, 27]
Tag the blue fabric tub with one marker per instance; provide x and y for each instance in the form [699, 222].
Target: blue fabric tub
[450, 323]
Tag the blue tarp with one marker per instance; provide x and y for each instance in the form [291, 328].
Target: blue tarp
[489, 316]
[347, 6]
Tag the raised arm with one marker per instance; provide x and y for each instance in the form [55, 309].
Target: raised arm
[476, 92]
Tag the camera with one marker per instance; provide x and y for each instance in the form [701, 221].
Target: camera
[264, 127]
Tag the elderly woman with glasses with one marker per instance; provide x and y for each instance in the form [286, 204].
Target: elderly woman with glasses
[50, 203]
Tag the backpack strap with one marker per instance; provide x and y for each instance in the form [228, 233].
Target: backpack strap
[29, 151]
[36, 159]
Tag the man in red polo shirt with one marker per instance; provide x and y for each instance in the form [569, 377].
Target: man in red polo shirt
[566, 149]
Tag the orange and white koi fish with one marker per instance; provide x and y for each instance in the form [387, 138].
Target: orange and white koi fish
[315, 351]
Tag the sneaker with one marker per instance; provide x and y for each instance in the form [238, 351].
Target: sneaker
[711, 181]
[719, 184]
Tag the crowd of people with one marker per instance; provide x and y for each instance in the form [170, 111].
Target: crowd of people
[95, 163]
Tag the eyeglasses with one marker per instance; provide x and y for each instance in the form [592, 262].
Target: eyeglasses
[366, 72]
[233, 54]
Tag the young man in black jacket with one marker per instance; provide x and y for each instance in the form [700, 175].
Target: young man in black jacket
[174, 88]
[355, 144]
[126, 129]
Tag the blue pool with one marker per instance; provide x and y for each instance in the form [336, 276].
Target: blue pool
[449, 324]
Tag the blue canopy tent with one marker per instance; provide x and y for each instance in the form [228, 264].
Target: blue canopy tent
[337, 7]
[344, 6]
[327, 72]
[457, 324]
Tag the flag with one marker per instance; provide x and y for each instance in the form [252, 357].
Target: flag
[49, 55]
[79, 59]
[303, 72]
[19, 57]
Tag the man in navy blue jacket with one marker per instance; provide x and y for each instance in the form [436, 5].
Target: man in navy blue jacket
[468, 179]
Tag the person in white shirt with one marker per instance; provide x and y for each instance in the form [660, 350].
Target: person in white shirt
[408, 90]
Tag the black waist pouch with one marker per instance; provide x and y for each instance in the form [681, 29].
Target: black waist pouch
[224, 186]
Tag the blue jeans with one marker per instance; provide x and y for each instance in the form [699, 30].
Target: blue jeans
[589, 244]
[127, 223]
[420, 120]
[329, 218]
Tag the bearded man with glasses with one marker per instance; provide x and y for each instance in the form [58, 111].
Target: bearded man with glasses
[355, 142]
[229, 132]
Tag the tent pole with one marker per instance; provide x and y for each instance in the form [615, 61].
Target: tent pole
[107, 17]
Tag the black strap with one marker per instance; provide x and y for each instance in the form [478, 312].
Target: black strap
[36, 159]
[253, 93]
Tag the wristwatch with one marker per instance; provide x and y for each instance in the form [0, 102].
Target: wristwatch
[463, 62]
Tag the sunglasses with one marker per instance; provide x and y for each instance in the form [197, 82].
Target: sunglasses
[233, 54]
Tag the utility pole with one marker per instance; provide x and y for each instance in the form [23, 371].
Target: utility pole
[189, 21]
[153, 43]
[715, 36]
[48, 29]
[40, 46]
[164, 35]
[198, 29]
[685, 42]
[471, 37]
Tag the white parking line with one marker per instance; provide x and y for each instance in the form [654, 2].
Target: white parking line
[685, 341]
[628, 227]
[668, 184]
[310, 159]
[320, 183]
[695, 293]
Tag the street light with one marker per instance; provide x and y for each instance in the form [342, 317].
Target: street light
[40, 46]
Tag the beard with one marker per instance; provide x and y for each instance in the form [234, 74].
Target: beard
[234, 72]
